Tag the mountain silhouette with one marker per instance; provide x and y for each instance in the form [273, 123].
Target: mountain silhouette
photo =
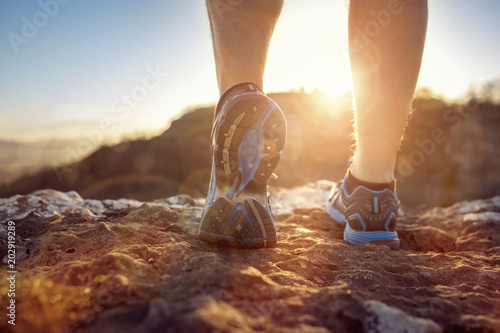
[449, 154]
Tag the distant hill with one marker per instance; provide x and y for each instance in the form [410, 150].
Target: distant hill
[21, 158]
[449, 154]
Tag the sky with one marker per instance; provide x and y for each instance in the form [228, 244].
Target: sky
[122, 68]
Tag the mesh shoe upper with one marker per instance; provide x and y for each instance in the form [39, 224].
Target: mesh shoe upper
[365, 209]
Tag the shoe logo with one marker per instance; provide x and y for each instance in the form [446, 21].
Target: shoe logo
[375, 206]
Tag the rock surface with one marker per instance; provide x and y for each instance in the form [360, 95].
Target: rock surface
[128, 266]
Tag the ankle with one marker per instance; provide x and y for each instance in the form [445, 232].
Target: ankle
[377, 172]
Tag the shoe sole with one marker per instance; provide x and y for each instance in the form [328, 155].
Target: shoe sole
[353, 237]
[248, 143]
[388, 238]
[246, 224]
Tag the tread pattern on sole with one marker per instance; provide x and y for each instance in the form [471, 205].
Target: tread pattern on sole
[235, 123]
[252, 130]
[245, 225]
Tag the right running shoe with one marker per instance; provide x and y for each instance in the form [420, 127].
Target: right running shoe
[369, 216]
[247, 138]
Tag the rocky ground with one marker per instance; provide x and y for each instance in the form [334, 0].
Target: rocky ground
[127, 266]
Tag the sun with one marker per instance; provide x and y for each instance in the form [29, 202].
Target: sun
[308, 49]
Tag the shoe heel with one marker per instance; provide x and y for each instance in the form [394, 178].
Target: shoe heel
[245, 224]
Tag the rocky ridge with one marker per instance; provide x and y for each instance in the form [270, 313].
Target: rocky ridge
[449, 154]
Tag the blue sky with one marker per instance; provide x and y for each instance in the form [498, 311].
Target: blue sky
[66, 79]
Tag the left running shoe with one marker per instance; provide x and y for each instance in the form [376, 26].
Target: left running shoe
[247, 138]
[369, 216]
